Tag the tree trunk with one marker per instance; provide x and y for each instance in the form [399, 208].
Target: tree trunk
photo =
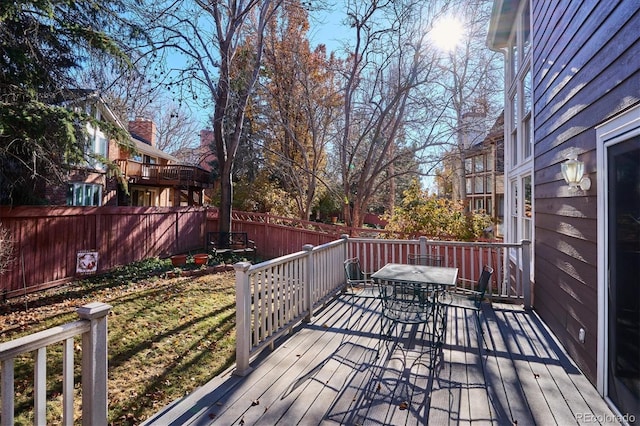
[226, 203]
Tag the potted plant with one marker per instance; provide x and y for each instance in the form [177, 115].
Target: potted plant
[179, 259]
[200, 258]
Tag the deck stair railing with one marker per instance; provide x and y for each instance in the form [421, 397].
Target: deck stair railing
[92, 327]
[273, 296]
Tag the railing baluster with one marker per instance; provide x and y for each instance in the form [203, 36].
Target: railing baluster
[67, 381]
[93, 329]
[7, 392]
[40, 387]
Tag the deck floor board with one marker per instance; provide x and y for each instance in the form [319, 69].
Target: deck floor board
[338, 369]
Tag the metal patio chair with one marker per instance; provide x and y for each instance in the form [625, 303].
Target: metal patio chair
[359, 283]
[470, 299]
[425, 260]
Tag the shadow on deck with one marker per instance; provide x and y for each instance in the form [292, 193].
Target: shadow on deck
[337, 370]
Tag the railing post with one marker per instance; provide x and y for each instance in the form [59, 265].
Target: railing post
[345, 237]
[526, 273]
[243, 319]
[308, 282]
[423, 245]
[94, 364]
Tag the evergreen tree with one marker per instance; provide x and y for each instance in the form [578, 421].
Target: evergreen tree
[42, 45]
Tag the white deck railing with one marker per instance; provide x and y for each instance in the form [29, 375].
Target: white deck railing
[510, 261]
[93, 328]
[273, 296]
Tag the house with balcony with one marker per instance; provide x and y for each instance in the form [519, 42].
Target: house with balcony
[572, 162]
[484, 175]
[148, 175]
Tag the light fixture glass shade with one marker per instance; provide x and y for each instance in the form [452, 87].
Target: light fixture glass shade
[572, 172]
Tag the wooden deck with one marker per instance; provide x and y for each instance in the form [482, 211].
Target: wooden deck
[337, 370]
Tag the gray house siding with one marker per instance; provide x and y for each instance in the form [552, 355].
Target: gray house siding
[586, 69]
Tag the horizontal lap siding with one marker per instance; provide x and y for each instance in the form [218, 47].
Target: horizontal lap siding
[586, 70]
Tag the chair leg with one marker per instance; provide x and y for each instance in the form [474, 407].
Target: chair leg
[481, 329]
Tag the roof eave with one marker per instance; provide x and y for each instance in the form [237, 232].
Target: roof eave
[502, 17]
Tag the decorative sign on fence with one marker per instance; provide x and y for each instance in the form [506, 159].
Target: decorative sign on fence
[86, 262]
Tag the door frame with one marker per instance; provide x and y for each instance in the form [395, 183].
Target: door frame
[616, 130]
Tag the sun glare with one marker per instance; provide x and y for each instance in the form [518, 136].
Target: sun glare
[447, 33]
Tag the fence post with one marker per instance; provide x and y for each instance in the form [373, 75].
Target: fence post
[308, 281]
[243, 319]
[94, 364]
[526, 273]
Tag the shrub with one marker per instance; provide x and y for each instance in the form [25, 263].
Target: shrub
[437, 218]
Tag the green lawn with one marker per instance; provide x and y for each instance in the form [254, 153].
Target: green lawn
[167, 336]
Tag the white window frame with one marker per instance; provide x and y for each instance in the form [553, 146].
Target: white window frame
[518, 167]
[612, 132]
[79, 192]
[99, 145]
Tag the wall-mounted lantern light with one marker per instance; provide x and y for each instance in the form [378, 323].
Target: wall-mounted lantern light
[573, 174]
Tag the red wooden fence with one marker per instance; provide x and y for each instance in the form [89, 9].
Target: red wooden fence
[277, 236]
[47, 239]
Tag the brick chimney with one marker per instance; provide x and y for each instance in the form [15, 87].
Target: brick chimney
[206, 138]
[143, 129]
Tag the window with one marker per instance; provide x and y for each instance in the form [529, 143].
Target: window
[527, 212]
[513, 109]
[519, 128]
[479, 184]
[479, 163]
[97, 147]
[513, 211]
[84, 194]
[469, 183]
[468, 165]
[527, 136]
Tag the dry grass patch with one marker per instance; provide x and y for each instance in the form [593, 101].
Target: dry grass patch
[166, 338]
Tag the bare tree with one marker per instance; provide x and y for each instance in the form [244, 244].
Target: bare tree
[390, 113]
[404, 98]
[199, 41]
[472, 81]
[138, 92]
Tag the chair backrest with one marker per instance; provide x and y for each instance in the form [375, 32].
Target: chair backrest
[483, 281]
[425, 260]
[352, 269]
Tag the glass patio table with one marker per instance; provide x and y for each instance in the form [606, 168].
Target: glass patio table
[410, 294]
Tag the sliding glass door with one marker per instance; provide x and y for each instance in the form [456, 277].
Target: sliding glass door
[623, 292]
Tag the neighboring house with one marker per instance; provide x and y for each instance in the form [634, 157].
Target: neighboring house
[484, 175]
[204, 156]
[573, 90]
[481, 181]
[154, 177]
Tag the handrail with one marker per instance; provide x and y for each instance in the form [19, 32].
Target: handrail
[273, 296]
[159, 172]
[511, 261]
[92, 326]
